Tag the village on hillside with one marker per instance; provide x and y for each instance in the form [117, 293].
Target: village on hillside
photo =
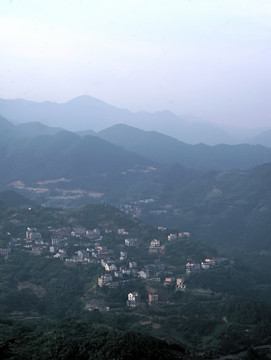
[88, 246]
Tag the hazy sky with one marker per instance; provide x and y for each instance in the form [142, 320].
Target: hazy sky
[209, 58]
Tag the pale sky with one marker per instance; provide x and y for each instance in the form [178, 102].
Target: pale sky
[208, 58]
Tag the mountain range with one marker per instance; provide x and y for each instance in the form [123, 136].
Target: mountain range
[9, 131]
[208, 186]
[69, 169]
[67, 155]
[166, 149]
[157, 147]
[86, 113]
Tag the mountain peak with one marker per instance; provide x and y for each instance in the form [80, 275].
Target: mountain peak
[84, 100]
[6, 124]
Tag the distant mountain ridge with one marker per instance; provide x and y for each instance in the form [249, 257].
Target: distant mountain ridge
[153, 145]
[65, 155]
[88, 113]
[25, 130]
[165, 149]
[224, 208]
[55, 164]
[263, 138]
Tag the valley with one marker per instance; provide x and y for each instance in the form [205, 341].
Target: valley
[136, 232]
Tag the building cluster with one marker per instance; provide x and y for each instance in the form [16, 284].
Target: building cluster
[135, 208]
[154, 298]
[88, 247]
[149, 206]
[185, 234]
[131, 242]
[156, 247]
[203, 265]
[152, 272]
[123, 273]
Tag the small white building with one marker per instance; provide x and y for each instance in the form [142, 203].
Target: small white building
[155, 243]
[180, 285]
[172, 237]
[110, 267]
[143, 274]
[132, 264]
[184, 234]
[123, 255]
[191, 267]
[169, 280]
[122, 232]
[131, 242]
[104, 280]
[133, 299]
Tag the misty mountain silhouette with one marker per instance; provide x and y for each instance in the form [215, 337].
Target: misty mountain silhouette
[88, 113]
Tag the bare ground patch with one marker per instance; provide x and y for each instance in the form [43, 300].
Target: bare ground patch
[156, 326]
[38, 290]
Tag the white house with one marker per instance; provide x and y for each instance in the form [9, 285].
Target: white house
[133, 299]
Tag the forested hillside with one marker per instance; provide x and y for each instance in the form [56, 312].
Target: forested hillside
[169, 150]
[56, 264]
